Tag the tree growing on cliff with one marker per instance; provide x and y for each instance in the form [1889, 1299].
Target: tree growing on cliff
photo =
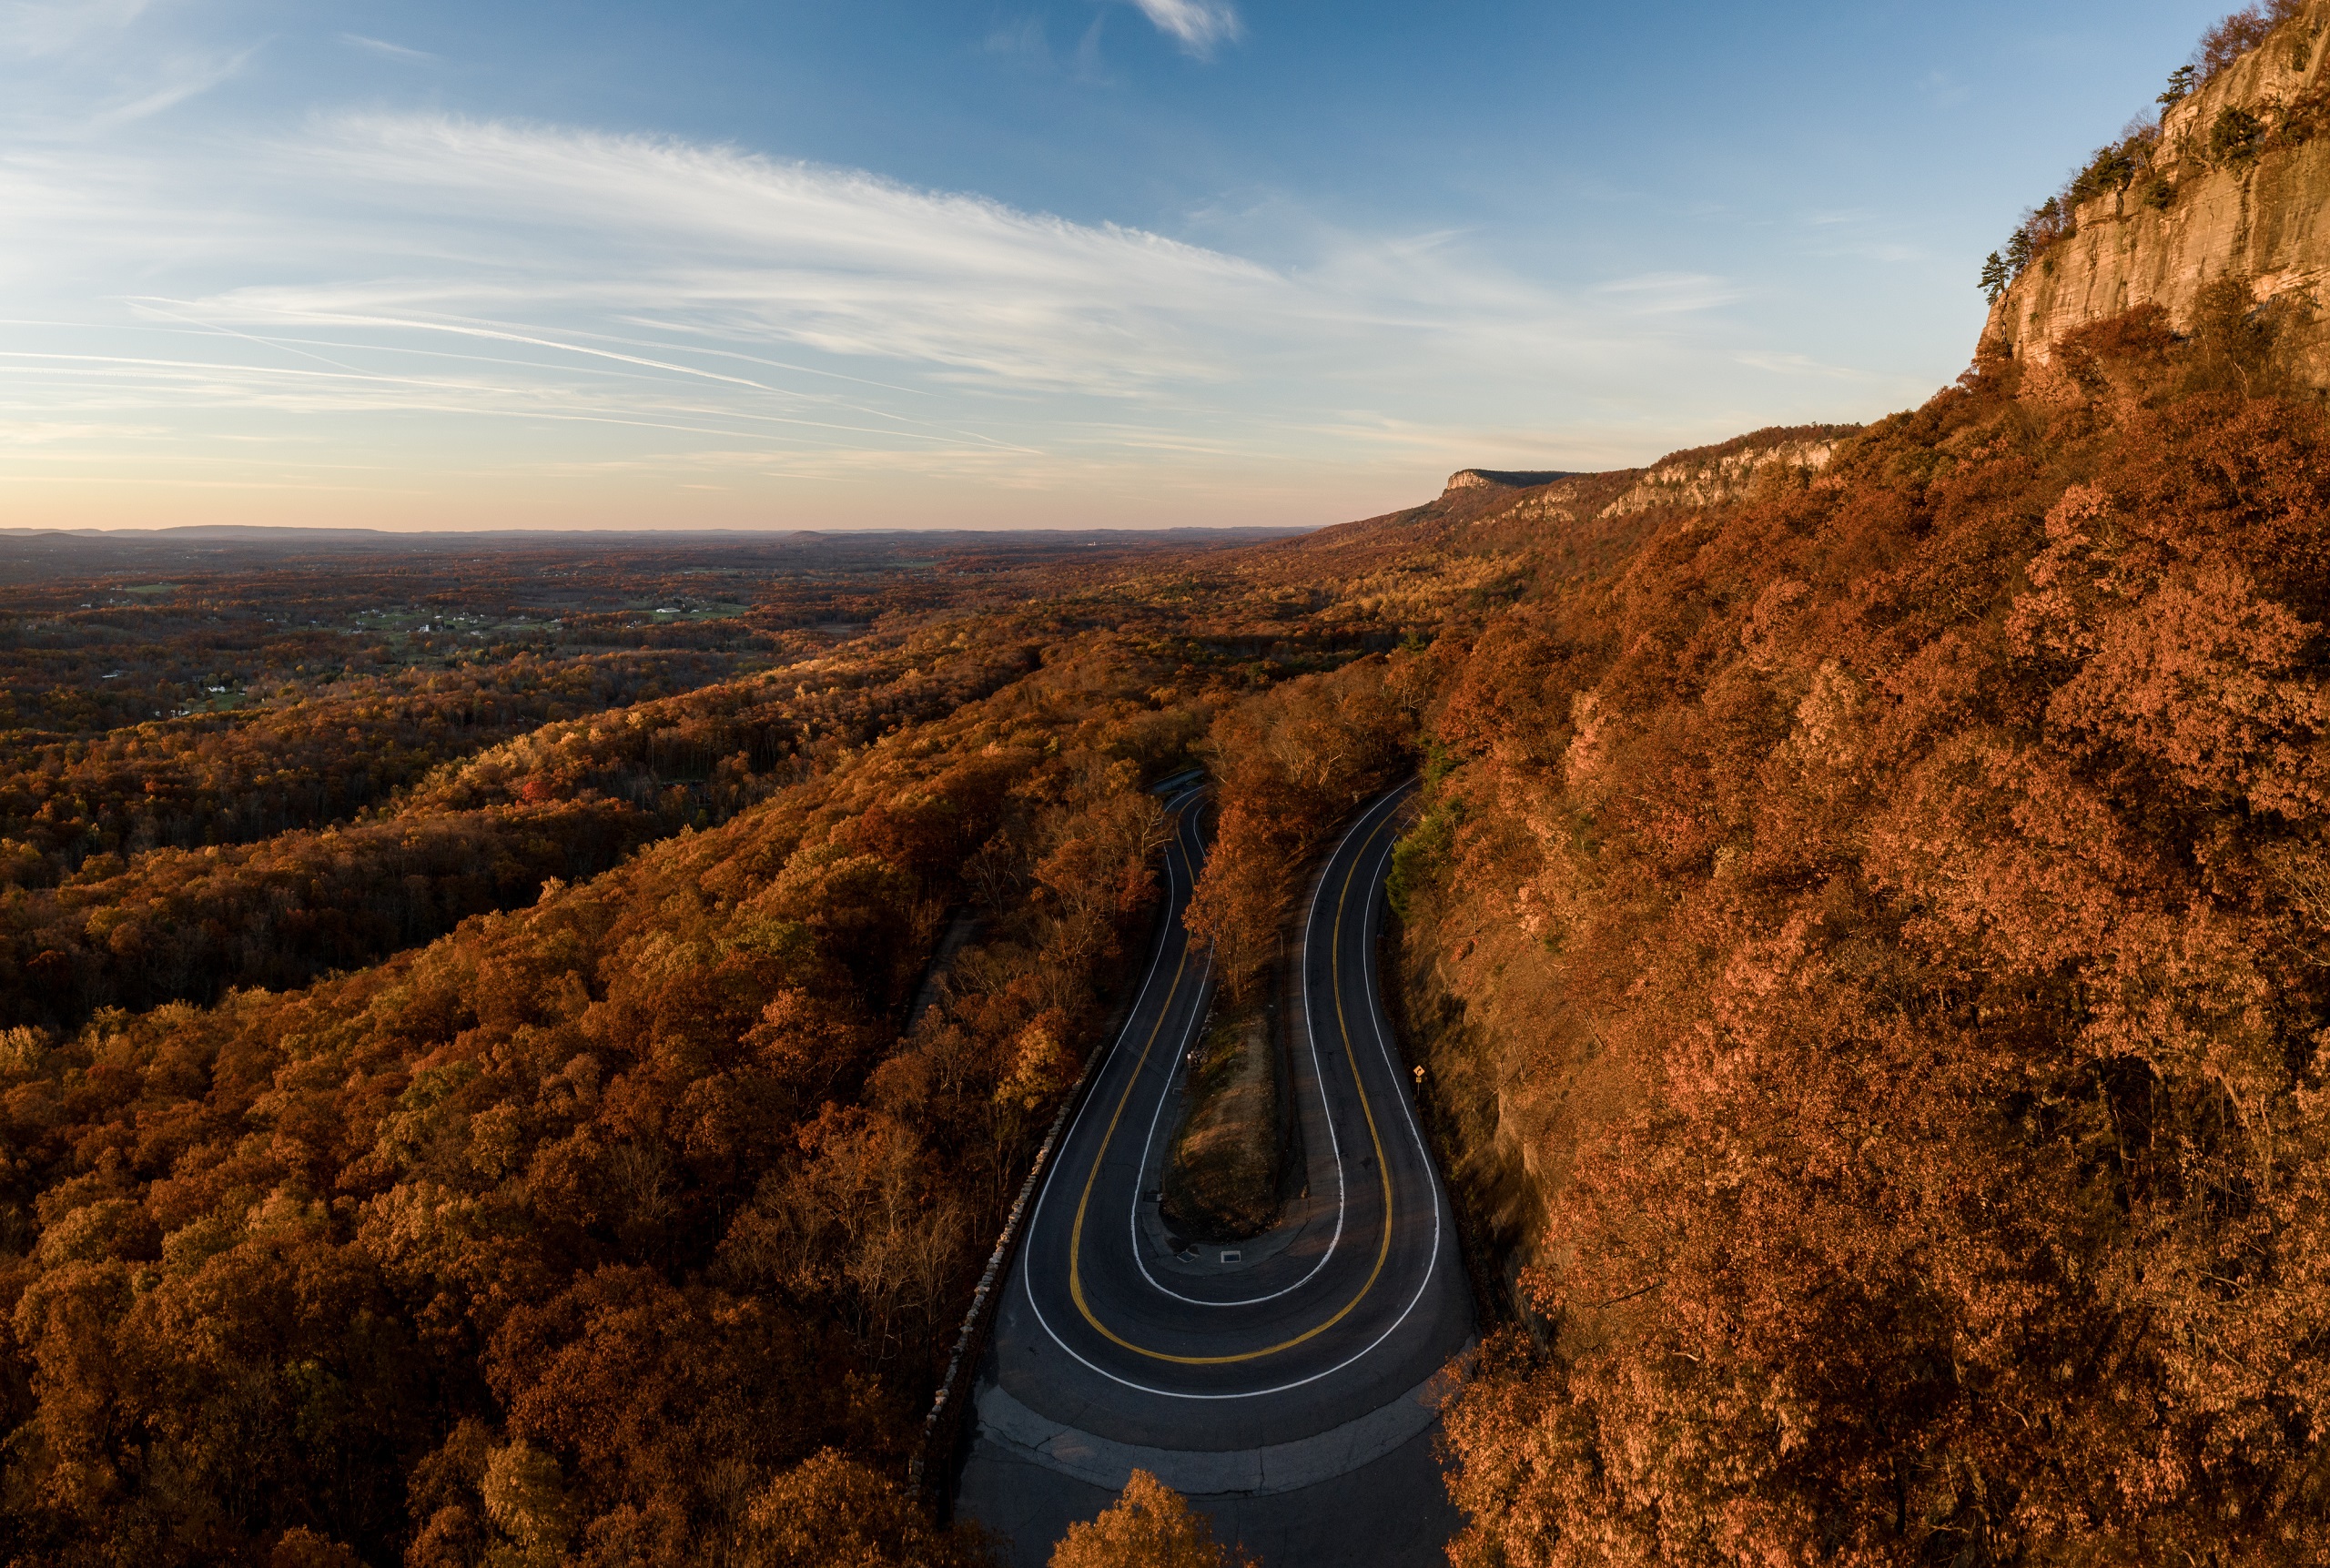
[2236, 136]
[2018, 253]
[2238, 34]
[1994, 277]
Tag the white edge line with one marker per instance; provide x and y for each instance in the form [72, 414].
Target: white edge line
[1430, 1263]
[1326, 1114]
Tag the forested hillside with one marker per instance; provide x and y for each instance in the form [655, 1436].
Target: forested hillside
[628, 1221]
[1871, 955]
[1865, 930]
[575, 1229]
[565, 801]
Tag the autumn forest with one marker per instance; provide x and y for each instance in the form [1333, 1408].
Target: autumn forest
[518, 1052]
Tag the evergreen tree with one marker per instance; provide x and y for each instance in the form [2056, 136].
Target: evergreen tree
[1994, 277]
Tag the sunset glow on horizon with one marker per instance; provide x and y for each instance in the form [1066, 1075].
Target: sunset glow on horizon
[1084, 266]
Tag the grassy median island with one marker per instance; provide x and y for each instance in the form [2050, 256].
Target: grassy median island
[1222, 1175]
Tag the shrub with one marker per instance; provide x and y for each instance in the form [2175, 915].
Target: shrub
[1420, 859]
[2236, 136]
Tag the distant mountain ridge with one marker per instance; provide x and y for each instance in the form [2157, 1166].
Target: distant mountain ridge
[1511, 479]
[1486, 499]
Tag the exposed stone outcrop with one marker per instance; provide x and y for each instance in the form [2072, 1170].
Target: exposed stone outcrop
[1710, 480]
[2264, 218]
[1701, 475]
[1510, 479]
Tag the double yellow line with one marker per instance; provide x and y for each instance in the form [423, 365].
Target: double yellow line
[1383, 1169]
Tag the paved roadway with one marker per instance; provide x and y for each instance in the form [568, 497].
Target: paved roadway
[1289, 1385]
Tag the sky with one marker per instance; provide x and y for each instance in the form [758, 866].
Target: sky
[908, 264]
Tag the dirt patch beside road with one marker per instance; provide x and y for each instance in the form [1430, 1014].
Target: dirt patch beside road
[1221, 1179]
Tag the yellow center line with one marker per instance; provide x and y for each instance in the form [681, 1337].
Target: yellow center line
[1076, 1235]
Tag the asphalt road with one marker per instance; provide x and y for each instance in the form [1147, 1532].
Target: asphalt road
[1287, 1384]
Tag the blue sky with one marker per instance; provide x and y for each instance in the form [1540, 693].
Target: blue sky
[887, 264]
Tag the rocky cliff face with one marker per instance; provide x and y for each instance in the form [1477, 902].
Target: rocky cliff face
[1703, 476]
[2259, 213]
[1508, 479]
[1720, 476]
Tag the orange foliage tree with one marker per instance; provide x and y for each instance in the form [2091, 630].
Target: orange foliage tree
[1149, 1525]
[1940, 849]
[1291, 764]
[579, 1233]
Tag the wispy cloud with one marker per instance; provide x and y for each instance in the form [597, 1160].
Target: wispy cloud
[78, 70]
[179, 78]
[381, 285]
[392, 51]
[722, 244]
[1198, 24]
[41, 29]
[1786, 364]
[1669, 293]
